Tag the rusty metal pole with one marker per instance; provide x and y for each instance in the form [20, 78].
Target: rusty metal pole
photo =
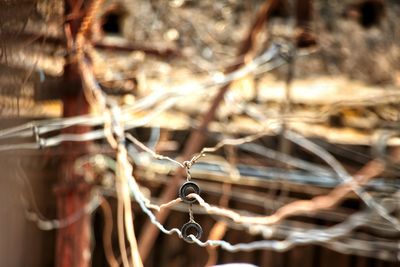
[72, 193]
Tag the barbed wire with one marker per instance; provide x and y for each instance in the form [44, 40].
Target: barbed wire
[115, 123]
[196, 157]
[253, 228]
[169, 98]
[349, 180]
[338, 168]
[313, 236]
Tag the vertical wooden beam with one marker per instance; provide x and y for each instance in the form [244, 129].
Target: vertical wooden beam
[304, 15]
[73, 194]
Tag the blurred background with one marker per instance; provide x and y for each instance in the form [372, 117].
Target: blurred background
[106, 104]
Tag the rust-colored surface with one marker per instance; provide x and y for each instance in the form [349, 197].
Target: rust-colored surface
[73, 241]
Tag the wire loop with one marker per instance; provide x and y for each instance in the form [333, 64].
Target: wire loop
[186, 189]
[191, 228]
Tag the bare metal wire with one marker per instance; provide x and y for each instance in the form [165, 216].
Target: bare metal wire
[116, 124]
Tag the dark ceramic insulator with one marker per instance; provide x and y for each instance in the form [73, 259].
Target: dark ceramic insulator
[186, 189]
[191, 228]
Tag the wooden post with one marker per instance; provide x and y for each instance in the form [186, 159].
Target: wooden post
[72, 192]
[304, 15]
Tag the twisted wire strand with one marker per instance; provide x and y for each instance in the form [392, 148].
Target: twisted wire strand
[170, 97]
[113, 124]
